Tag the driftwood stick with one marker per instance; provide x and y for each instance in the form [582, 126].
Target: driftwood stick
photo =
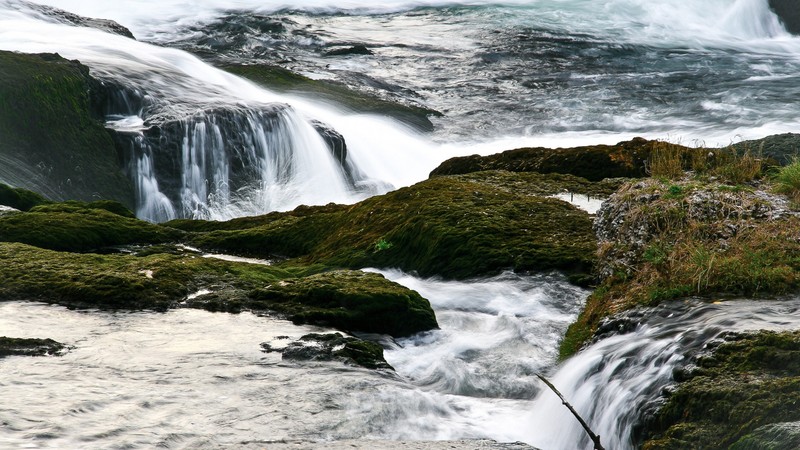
[595, 438]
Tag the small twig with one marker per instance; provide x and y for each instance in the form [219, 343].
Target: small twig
[595, 438]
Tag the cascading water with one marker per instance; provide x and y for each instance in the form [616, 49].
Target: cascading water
[199, 142]
[192, 379]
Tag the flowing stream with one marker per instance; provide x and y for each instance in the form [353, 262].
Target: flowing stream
[202, 143]
[193, 379]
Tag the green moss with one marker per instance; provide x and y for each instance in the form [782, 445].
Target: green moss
[81, 227]
[20, 199]
[452, 227]
[53, 141]
[348, 300]
[282, 80]
[29, 347]
[747, 383]
[718, 244]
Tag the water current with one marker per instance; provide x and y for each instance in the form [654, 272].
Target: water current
[550, 72]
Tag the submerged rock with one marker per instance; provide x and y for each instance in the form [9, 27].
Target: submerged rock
[333, 346]
[73, 19]
[283, 80]
[30, 347]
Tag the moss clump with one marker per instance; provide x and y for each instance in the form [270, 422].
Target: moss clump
[283, 80]
[709, 242]
[80, 227]
[752, 381]
[54, 141]
[778, 436]
[20, 199]
[452, 227]
[348, 300]
[29, 347]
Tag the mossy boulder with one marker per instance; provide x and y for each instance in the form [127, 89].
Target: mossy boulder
[594, 163]
[747, 383]
[21, 199]
[661, 240]
[78, 226]
[286, 81]
[352, 301]
[453, 227]
[30, 347]
[777, 436]
[54, 142]
[348, 300]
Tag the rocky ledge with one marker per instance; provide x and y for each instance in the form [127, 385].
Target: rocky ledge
[30, 347]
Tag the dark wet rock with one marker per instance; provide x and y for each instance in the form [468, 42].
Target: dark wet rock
[774, 436]
[594, 163]
[333, 346]
[73, 19]
[54, 142]
[745, 390]
[782, 148]
[30, 347]
[223, 149]
[283, 80]
[358, 49]
[789, 13]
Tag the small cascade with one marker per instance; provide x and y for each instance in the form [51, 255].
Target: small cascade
[232, 161]
[617, 383]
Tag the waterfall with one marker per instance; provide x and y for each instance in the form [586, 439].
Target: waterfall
[618, 381]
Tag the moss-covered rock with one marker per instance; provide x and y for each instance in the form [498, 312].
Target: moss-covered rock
[348, 300]
[352, 301]
[454, 227]
[283, 80]
[660, 240]
[594, 163]
[54, 142]
[21, 199]
[30, 347]
[747, 383]
[776, 436]
[80, 227]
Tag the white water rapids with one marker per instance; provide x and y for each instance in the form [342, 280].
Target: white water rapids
[193, 379]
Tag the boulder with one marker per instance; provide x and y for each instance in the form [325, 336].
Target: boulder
[54, 142]
[789, 13]
[594, 163]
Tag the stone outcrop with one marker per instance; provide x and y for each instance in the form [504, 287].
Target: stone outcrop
[789, 13]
